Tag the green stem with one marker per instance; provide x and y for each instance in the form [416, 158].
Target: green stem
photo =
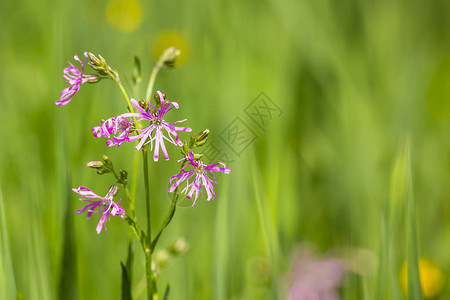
[151, 82]
[147, 193]
[166, 221]
[134, 174]
[124, 93]
[148, 253]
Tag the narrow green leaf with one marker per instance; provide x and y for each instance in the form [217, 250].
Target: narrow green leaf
[68, 272]
[7, 283]
[167, 292]
[414, 288]
[126, 285]
[136, 75]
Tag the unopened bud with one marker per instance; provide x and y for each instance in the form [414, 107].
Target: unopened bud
[94, 59]
[112, 191]
[198, 156]
[180, 246]
[200, 143]
[169, 57]
[123, 175]
[185, 149]
[203, 135]
[106, 160]
[96, 164]
[99, 64]
[158, 98]
[91, 78]
[143, 104]
[201, 138]
[162, 258]
[192, 141]
[136, 75]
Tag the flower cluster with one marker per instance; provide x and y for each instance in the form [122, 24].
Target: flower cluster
[105, 205]
[144, 124]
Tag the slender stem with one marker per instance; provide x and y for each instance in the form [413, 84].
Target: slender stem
[151, 82]
[148, 253]
[134, 174]
[124, 93]
[147, 193]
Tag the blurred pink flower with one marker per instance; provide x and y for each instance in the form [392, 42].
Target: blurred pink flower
[315, 279]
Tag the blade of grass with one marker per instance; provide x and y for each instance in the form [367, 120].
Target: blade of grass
[126, 287]
[412, 256]
[38, 266]
[68, 268]
[7, 282]
[221, 257]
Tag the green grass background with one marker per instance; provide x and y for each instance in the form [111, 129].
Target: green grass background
[360, 157]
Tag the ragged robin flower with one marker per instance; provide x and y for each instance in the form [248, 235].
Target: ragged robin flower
[157, 124]
[116, 130]
[75, 79]
[104, 205]
[200, 174]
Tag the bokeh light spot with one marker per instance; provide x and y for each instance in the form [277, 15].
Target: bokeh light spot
[168, 39]
[124, 15]
[431, 278]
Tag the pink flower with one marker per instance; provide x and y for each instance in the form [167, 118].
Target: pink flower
[116, 130]
[105, 205]
[315, 278]
[157, 125]
[75, 78]
[201, 178]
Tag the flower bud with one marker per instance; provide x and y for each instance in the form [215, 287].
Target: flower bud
[203, 135]
[107, 161]
[198, 156]
[201, 138]
[96, 164]
[185, 149]
[90, 78]
[136, 75]
[169, 57]
[103, 171]
[162, 258]
[179, 246]
[123, 175]
[143, 104]
[99, 64]
[112, 191]
[158, 99]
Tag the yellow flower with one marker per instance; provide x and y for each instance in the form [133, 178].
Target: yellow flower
[431, 278]
[125, 15]
[168, 39]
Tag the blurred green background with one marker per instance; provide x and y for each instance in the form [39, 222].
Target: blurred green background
[359, 160]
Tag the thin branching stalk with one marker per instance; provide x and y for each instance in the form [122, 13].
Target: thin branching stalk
[151, 81]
